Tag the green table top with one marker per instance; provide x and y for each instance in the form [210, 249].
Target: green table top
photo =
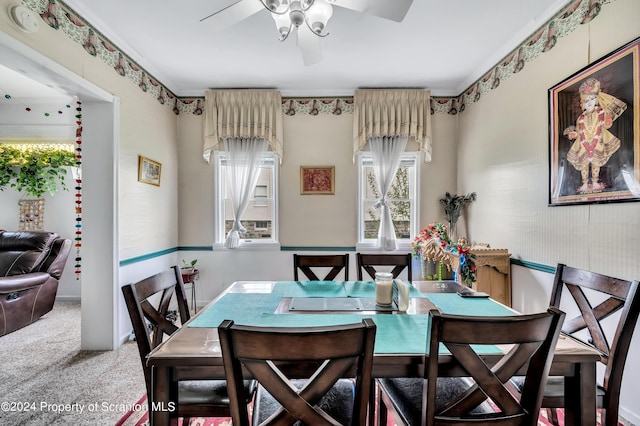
[396, 333]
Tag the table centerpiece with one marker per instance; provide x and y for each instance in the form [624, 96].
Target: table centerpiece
[434, 244]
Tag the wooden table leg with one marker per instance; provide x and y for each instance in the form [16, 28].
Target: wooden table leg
[580, 396]
[161, 407]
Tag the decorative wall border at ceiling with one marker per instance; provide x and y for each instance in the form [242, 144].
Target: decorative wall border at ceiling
[58, 15]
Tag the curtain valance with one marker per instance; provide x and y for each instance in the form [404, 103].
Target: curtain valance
[392, 113]
[242, 114]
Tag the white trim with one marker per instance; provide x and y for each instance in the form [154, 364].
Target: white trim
[218, 211]
[403, 244]
[249, 245]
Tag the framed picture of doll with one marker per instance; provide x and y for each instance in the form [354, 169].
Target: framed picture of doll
[594, 132]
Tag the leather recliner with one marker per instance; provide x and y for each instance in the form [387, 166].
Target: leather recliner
[31, 264]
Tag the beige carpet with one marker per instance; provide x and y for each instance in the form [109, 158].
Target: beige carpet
[48, 380]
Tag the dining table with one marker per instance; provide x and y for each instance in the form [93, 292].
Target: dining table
[193, 352]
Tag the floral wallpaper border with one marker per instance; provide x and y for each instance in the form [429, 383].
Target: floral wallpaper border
[61, 17]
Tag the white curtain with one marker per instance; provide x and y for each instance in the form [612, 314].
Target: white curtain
[244, 156]
[386, 153]
[242, 114]
[380, 112]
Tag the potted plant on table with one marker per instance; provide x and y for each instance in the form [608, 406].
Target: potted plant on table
[188, 266]
[189, 270]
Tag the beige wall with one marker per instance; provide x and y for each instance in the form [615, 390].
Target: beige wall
[503, 156]
[147, 214]
[308, 220]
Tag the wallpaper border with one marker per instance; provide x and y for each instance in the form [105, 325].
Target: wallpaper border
[60, 16]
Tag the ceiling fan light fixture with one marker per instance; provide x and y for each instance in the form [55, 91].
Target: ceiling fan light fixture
[283, 24]
[296, 13]
[272, 5]
[293, 13]
[318, 15]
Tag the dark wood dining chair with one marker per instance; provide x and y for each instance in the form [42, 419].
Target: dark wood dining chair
[301, 372]
[148, 302]
[464, 400]
[597, 298]
[368, 263]
[336, 263]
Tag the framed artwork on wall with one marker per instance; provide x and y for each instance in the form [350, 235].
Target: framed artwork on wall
[149, 171]
[594, 132]
[317, 180]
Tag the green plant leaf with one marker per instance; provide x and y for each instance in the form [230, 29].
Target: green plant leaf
[34, 170]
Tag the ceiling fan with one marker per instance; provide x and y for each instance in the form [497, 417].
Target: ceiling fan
[307, 18]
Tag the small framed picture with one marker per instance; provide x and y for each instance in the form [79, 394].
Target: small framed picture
[317, 180]
[149, 171]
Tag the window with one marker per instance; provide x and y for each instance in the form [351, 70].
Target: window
[402, 199]
[260, 194]
[260, 219]
[262, 224]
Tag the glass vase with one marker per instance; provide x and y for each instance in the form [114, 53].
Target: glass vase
[453, 234]
[428, 268]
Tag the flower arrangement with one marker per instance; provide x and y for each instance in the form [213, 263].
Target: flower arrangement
[433, 242]
[436, 231]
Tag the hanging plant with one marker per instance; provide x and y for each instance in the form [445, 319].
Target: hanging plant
[34, 169]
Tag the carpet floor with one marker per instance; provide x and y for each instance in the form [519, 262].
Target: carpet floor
[48, 380]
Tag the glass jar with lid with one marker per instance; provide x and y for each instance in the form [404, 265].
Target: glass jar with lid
[384, 288]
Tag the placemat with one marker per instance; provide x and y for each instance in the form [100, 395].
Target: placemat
[368, 289]
[394, 333]
[360, 288]
[243, 308]
[451, 303]
[309, 289]
[353, 304]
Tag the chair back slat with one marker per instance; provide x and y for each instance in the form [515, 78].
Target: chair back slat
[587, 290]
[148, 303]
[532, 339]
[278, 356]
[305, 263]
[368, 263]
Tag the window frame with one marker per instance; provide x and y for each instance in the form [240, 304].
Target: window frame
[404, 244]
[272, 243]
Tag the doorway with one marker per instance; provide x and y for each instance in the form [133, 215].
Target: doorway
[99, 287]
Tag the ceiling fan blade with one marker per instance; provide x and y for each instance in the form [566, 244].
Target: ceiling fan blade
[394, 10]
[233, 14]
[309, 45]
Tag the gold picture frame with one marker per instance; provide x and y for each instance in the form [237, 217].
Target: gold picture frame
[149, 171]
[317, 180]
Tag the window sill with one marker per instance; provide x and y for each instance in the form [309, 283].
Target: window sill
[249, 246]
[403, 247]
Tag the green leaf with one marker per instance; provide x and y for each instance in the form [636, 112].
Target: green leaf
[34, 170]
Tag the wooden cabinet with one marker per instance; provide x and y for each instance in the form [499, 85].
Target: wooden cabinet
[493, 273]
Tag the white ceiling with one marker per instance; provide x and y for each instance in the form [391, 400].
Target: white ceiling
[441, 45]
[15, 85]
